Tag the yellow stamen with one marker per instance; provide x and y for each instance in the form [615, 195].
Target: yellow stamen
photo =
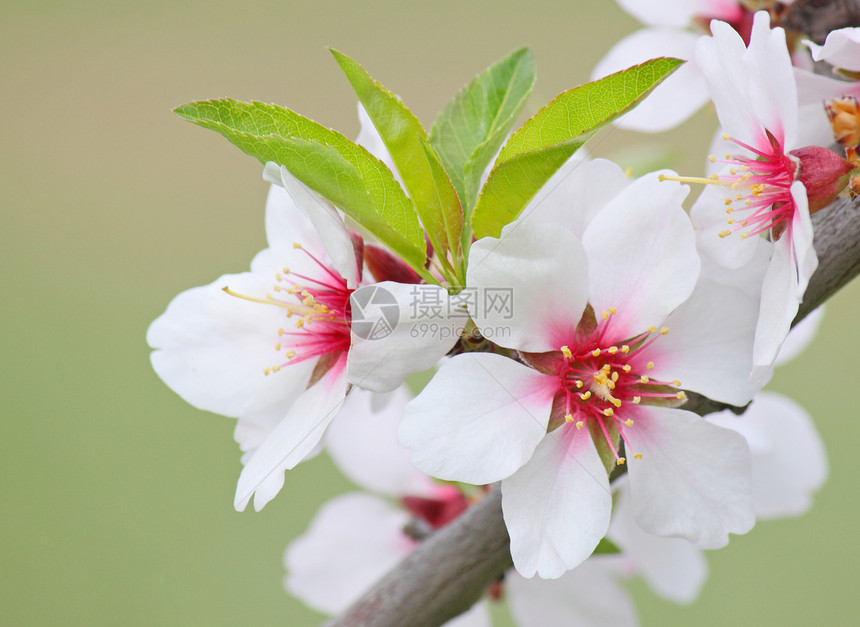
[290, 353]
[608, 412]
[566, 351]
[650, 365]
[637, 400]
[580, 425]
[637, 455]
[628, 422]
[620, 461]
[596, 352]
[568, 417]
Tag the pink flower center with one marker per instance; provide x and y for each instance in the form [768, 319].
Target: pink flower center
[599, 382]
[319, 309]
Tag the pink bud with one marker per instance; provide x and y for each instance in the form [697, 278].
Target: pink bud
[823, 173]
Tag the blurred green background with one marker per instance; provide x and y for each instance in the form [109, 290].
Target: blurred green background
[117, 495]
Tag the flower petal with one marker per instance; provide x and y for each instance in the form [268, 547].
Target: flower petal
[678, 13]
[363, 444]
[672, 101]
[709, 344]
[841, 49]
[292, 440]
[788, 460]
[642, 256]
[479, 419]
[212, 348]
[673, 567]
[557, 506]
[398, 329]
[587, 596]
[800, 336]
[542, 268]
[351, 542]
[694, 480]
[576, 193]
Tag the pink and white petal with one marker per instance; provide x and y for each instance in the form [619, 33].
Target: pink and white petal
[543, 269]
[587, 596]
[351, 542]
[708, 215]
[399, 329]
[789, 463]
[800, 336]
[292, 440]
[672, 567]
[287, 224]
[479, 419]
[642, 257]
[212, 348]
[709, 344]
[675, 99]
[748, 278]
[362, 441]
[804, 253]
[328, 224]
[678, 13]
[576, 193]
[721, 59]
[557, 506]
[772, 89]
[780, 299]
[841, 49]
[694, 480]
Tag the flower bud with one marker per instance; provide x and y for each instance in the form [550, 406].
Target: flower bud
[823, 173]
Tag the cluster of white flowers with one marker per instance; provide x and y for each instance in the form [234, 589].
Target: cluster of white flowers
[564, 363]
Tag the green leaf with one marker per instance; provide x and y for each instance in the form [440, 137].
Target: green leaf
[536, 151]
[366, 189]
[470, 130]
[404, 137]
[606, 546]
[452, 212]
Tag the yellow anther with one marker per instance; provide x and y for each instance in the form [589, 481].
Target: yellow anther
[664, 330]
[676, 383]
[637, 400]
[730, 221]
[267, 371]
[566, 351]
[578, 383]
[726, 136]
[281, 331]
[713, 177]
[727, 156]
[650, 365]
[727, 202]
[296, 245]
[612, 311]
[652, 329]
[286, 270]
[275, 368]
[568, 417]
[606, 368]
[745, 222]
[712, 158]
[580, 425]
[732, 171]
[290, 353]
[637, 455]
[605, 315]
[616, 402]
[596, 352]
[620, 461]
[277, 288]
[725, 233]
[644, 379]
[626, 368]
[278, 276]
[681, 395]
[625, 348]
[628, 422]
[730, 210]
[300, 323]
[278, 347]
[309, 301]
[745, 235]
[585, 396]
[612, 350]
[614, 377]
[608, 412]
[628, 172]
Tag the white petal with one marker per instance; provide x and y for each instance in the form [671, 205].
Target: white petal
[812, 90]
[557, 506]
[328, 224]
[673, 567]
[351, 542]
[747, 278]
[287, 224]
[369, 137]
[363, 444]
[398, 329]
[292, 440]
[642, 256]
[587, 596]
[800, 336]
[709, 344]
[841, 49]
[678, 13]
[676, 98]
[694, 479]
[542, 268]
[805, 258]
[212, 348]
[479, 419]
[788, 460]
[708, 215]
[575, 194]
